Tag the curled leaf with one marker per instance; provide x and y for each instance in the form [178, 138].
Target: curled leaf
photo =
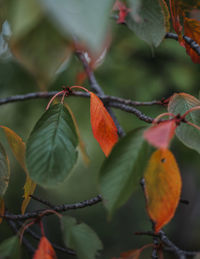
[162, 187]
[18, 148]
[103, 126]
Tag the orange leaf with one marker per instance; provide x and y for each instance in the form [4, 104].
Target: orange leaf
[159, 135]
[192, 30]
[19, 148]
[162, 187]
[2, 209]
[45, 250]
[133, 254]
[103, 127]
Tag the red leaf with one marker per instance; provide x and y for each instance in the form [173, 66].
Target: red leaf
[45, 250]
[123, 11]
[159, 135]
[192, 30]
[103, 127]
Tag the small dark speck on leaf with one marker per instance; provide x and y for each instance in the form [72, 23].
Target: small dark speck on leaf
[163, 160]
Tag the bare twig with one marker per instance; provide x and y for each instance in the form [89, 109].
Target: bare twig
[57, 208]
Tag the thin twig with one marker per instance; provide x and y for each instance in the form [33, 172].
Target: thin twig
[57, 208]
[57, 247]
[25, 242]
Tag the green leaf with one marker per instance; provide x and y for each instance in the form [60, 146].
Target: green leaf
[23, 16]
[81, 238]
[4, 171]
[51, 148]
[10, 248]
[151, 27]
[122, 170]
[42, 51]
[179, 104]
[85, 19]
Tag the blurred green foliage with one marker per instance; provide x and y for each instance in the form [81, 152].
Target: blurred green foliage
[132, 70]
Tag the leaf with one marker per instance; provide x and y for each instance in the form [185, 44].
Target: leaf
[192, 30]
[45, 250]
[81, 238]
[162, 187]
[29, 189]
[176, 12]
[51, 147]
[10, 248]
[87, 20]
[18, 148]
[159, 135]
[29, 10]
[83, 150]
[133, 254]
[179, 104]
[122, 170]
[4, 171]
[152, 24]
[103, 126]
[44, 56]
[2, 209]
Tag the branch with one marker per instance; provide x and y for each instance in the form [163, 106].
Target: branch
[195, 46]
[57, 208]
[169, 245]
[55, 246]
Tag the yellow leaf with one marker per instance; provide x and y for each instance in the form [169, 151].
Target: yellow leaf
[162, 187]
[19, 148]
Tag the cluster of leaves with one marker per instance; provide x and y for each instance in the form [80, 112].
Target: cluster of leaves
[50, 153]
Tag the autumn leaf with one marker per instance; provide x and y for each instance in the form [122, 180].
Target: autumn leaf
[162, 187]
[123, 11]
[18, 148]
[45, 250]
[192, 30]
[133, 254]
[159, 135]
[103, 127]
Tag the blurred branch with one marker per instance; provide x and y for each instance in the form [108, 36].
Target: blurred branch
[169, 245]
[57, 208]
[195, 46]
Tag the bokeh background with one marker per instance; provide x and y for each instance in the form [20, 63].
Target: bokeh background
[131, 69]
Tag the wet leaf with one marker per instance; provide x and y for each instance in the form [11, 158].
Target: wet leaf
[162, 187]
[103, 127]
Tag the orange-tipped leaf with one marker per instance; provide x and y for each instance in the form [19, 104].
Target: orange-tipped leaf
[162, 187]
[103, 127]
[45, 250]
